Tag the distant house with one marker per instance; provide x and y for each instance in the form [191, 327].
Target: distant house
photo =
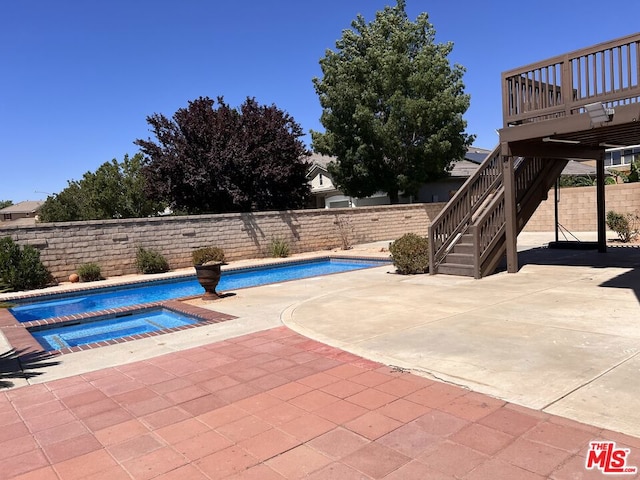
[324, 193]
[621, 158]
[20, 211]
[443, 189]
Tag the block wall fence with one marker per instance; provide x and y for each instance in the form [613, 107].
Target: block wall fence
[577, 207]
[112, 244]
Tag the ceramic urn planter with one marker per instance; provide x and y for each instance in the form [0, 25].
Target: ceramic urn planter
[208, 274]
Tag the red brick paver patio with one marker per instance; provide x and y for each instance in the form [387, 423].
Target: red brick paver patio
[276, 405]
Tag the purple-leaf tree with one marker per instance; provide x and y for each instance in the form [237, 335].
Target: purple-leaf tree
[211, 158]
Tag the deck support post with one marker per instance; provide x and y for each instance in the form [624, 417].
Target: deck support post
[600, 199]
[510, 211]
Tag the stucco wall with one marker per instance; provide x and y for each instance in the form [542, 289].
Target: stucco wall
[112, 243]
[577, 207]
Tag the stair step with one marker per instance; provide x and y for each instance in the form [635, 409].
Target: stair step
[459, 258]
[456, 269]
[463, 248]
[466, 238]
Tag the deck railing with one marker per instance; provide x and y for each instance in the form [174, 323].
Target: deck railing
[562, 86]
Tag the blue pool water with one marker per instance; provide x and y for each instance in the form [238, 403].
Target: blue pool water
[107, 328]
[135, 294]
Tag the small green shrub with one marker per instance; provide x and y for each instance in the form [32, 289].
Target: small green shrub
[89, 272]
[21, 268]
[207, 254]
[626, 225]
[634, 171]
[279, 248]
[150, 261]
[410, 254]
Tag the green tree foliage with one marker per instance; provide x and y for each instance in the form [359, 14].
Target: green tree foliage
[216, 159]
[114, 190]
[5, 203]
[392, 106]
[634, 172]
[583, 181]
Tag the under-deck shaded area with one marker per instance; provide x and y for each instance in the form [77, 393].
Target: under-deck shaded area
[573, 106]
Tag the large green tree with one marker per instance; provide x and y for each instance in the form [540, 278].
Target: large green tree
[5, 203]
[114, 190]
[392, 106]
[212, 158]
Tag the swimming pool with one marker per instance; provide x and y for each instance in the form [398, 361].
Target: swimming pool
[108, 327]
[105, 298]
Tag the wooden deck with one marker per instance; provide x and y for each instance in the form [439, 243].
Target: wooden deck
[544, 104]
[573, 106]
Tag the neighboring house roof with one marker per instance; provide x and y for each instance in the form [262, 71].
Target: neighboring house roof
[476, 155]
[467, 167]
[27, 207]
[578, 168]
[320, 160]
[472, 160]
[464, 168]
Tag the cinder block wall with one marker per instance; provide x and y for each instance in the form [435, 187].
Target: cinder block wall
[112, 243]
[577, 207]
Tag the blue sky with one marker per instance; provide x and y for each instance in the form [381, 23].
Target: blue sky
[78, 78]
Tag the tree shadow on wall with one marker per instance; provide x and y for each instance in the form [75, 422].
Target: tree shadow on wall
[254, 232]
[291, 220]
[257, 234]
[22, 364]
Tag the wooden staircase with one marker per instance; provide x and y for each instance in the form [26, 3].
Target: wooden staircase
[468, 237]
[459, 260]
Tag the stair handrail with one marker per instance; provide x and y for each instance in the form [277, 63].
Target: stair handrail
[491, 222]
[456, 215]
[486, 232]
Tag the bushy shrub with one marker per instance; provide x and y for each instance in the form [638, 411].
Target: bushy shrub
[21, 268]
[279, 248]
[150, 261]
[207, 254]
[626, 225]
[410, 254]
[89, 272]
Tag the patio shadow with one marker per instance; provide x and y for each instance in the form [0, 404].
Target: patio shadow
[617, 256]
